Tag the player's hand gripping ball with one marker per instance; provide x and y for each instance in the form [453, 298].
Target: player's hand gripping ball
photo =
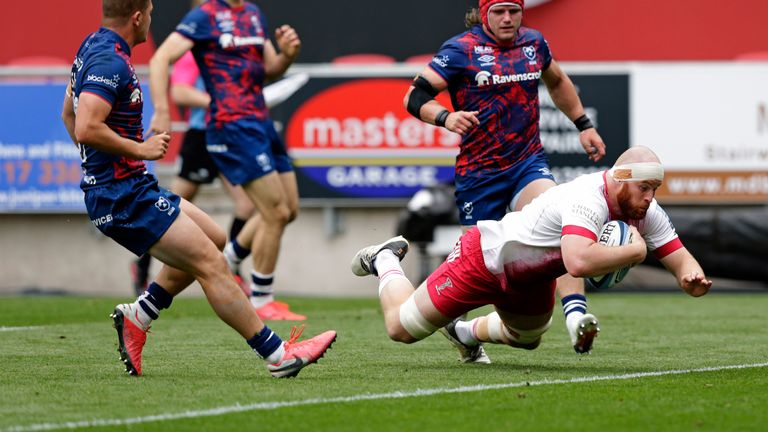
[614, 233]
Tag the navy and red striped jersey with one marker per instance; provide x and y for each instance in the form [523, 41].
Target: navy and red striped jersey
[103, 67]
[229, 50]
[502, 83]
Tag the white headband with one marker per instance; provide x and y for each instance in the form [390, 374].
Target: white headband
[636, 172]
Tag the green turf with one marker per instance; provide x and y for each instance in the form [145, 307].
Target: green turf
[67, 371]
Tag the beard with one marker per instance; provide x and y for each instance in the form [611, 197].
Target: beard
[628, 209]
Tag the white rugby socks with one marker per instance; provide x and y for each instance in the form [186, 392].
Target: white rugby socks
[388, 267]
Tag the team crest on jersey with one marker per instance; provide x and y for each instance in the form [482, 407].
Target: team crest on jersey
[483, 78]
[530, 54]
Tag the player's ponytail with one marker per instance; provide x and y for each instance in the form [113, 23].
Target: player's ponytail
[472, 17]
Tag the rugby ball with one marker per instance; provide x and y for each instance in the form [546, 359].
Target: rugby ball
[613, 233]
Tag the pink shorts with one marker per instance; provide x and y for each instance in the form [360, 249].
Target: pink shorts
[463, 283]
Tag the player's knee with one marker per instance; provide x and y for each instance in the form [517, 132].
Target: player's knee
[293, 214]
[398, 334]
[219, 238]
[528, 339]
[412, 325]
[277, 215]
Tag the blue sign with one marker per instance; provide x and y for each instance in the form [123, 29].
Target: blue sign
[39, 165]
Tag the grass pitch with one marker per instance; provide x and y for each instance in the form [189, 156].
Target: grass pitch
[661, 362]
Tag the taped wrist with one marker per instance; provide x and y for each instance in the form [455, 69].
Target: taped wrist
[422, 93]
[583, 123]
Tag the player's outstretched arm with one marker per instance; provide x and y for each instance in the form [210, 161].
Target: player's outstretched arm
[174, 46]
[689, 274]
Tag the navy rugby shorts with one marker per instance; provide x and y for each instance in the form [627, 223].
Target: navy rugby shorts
[489, 198]
[246, 150]
[135, 212]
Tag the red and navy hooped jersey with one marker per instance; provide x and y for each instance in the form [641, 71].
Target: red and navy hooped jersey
[229, 50]
[501, 82]
[103, 67]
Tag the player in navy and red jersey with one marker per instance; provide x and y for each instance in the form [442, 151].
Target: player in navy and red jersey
[492, 73]
[103, 114]
[513, 263]
[231, 46]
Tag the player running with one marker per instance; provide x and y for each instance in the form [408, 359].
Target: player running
[103, 114]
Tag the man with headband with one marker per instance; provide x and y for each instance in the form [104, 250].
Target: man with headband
[492, 72]
[513, 263]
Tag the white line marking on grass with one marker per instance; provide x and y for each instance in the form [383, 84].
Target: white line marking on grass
[264, 406]
[10, 329]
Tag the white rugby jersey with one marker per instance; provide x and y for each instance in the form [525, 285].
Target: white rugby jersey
[525, 245]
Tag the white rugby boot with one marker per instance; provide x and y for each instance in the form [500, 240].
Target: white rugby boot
[583, 332]
[362, 262]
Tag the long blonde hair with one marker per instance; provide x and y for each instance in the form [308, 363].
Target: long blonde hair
[472, 17]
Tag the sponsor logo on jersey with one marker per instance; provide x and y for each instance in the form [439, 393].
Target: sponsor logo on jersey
[136, 96]
[228, 40]
[113, 82]
[442, 61]
[190, 28]
[103, 220]
[480, 49]
[484, 78]
[487, 60]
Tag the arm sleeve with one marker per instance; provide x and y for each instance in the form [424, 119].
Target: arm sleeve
[545, 53]
[659, 233]
[185, 71]
[449, 62]
[195, 25]
[105, 77]
[583, 215]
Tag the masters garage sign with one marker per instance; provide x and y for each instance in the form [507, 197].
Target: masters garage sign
[355, 140]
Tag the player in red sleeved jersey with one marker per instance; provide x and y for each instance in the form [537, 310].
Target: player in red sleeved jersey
[492, 73]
